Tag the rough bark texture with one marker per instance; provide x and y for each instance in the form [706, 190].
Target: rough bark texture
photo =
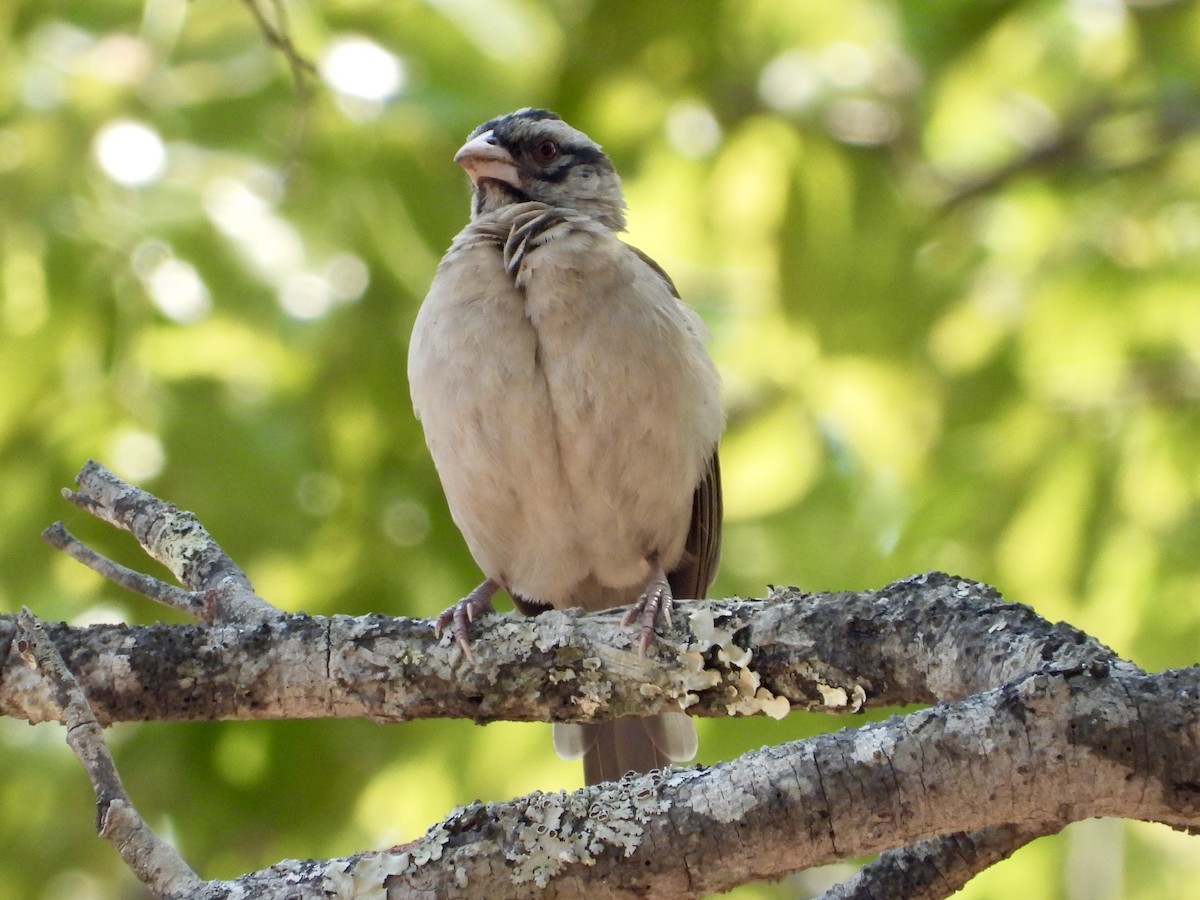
[1030, 726]
[1038, 754]
[833, 652]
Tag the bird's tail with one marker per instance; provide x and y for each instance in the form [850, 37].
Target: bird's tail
[610, 749]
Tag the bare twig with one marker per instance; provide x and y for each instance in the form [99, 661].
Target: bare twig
[1068, 147]
[272, 19]
[277, 32]
[191, 603]
[155, 862]
[175, 538]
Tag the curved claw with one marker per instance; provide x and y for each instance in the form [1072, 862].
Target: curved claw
[460, 616]
[654, 603]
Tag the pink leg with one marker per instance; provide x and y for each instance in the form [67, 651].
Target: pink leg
[464, 612]
[655, 603]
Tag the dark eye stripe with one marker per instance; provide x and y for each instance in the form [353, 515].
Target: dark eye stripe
[588, 155]
[559, 172]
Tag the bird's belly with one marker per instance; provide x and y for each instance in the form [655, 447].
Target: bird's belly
[561, 477]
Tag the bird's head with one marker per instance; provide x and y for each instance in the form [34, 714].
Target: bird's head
[532, 154]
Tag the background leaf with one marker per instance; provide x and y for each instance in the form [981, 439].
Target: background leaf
[949, 253]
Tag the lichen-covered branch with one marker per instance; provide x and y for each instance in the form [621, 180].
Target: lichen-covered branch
[1032, 726]
[1040, 753]
[172, 536]
[936, 868]
[152, 859]
[832, 652]
[1046, 751]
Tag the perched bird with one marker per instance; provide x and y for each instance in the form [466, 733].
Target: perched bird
[570, 407]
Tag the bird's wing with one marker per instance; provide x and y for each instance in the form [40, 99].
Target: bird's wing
[702, 552]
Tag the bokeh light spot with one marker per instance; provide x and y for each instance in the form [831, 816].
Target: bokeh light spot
[364, 74]
[790, 82]
[693, 129]
[138, 455]
[319, 493]
[405, 523]
[306, 296]
[178, 291]
[348, 277]
[130, 153]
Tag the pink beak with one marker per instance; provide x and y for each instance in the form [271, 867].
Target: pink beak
[483, 157]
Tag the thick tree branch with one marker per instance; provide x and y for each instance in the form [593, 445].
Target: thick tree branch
[930, 870]
[836, 652]
[1041, 753]
[1036, 725]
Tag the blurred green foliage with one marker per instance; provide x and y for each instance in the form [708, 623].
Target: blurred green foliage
[949, 252]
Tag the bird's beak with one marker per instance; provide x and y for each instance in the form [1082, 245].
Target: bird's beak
[483, 158]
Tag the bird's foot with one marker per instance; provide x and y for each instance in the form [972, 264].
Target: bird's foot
[655, 603]
[460, 616]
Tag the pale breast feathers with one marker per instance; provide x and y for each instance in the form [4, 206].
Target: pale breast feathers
[591, 381]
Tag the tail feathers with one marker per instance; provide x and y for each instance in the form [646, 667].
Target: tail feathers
[610, 749]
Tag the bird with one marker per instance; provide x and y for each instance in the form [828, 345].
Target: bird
[571, 409]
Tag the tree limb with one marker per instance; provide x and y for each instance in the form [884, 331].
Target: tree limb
[172, 536]
[153, 860]
[1051, 749]
[839, 652]
[1035, 725]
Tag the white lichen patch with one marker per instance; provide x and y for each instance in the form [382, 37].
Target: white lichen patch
[737, 656]
[559, 830]
[724, 806]
[650, 691]
[509, 629]
[694, 676]
[745, 686]
[772, 705]
[363, 877]
[747, 695]
[586, 705]
[429, 848]
[848, 697]
[121, 668]
[591, 694]
[752, 698]
[708, 633]
[833, 697]
[872, 744]
[181, 539]
[858, 698]
[674, 779]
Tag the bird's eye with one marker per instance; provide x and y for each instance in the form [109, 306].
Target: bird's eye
[547, 151]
